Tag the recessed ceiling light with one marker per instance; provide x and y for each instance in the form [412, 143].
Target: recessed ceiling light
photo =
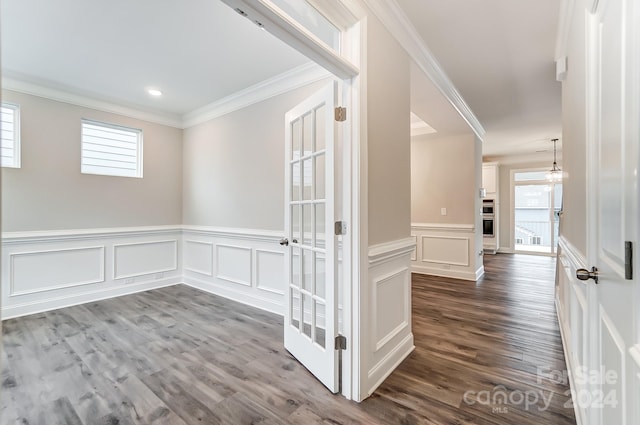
[154, 92]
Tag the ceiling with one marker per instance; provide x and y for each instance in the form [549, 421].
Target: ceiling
[113, 50]
[498, 53]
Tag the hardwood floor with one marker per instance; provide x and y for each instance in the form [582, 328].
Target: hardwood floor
[180, 356]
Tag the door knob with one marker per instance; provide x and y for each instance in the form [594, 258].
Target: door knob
[284, 241]
[584, 274]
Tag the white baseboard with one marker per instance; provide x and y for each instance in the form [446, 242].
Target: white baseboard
[241, 297]
[454, 274]
[389, 363]
[54, 303]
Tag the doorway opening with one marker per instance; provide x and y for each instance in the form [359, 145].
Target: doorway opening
[535, 212]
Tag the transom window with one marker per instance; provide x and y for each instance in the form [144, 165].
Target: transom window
[10, 127]
[111, 150]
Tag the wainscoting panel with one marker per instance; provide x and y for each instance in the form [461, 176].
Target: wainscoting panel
[234, 264]
[391, 290]
[453, 250]
[571, 307]
[47, 270]
[39, 271]
[635, 387]
[198, 257]
[446, 250]
[246, 265]
[143, 258]
[386, 304]
[269, 270]
[613, 354]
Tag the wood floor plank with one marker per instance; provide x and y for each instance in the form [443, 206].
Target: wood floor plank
[176, 356]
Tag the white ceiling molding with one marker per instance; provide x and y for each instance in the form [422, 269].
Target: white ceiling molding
[89, 102]
[399, 25]
[564, 27]
[282, 83]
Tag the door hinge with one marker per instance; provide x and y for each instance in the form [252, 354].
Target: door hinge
[340, 228]
[341, 114]
[341, 342]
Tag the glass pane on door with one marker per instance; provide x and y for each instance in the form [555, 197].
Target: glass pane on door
[307, 237]
[532, 218]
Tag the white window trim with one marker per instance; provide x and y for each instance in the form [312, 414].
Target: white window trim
[17, 162]
[139, 147]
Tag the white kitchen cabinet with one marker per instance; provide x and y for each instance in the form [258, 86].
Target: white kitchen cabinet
[490, 181]
[490, 178]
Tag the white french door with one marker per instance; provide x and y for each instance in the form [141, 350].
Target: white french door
[614, 136]
[311, 309]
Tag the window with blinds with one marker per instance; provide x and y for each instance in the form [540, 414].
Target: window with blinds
[10, 128]
[111, 150]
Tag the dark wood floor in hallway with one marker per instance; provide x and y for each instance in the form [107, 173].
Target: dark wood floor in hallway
[180, 356]
[488, 352]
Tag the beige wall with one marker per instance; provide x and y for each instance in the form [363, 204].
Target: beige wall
[388, 137]
[50, 193]
[234, 166]
[574, 224]
[444, 175]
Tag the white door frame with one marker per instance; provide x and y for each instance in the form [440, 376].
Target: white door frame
[512, 216]
[348, 15]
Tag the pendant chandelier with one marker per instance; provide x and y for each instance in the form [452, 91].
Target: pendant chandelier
[555, 174]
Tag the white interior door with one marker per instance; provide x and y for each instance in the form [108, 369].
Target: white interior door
[311, 309]
[613, 309]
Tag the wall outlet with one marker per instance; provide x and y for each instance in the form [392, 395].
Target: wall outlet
[446, 266]
[443, 211]
[129, 280]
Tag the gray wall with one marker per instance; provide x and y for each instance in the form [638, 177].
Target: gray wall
[234, 166]
[50, 193]
[388, 137]
[444, 175]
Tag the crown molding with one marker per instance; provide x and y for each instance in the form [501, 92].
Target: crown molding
[396, 21]
[567, 8]
[88, 102]
[282, 83]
